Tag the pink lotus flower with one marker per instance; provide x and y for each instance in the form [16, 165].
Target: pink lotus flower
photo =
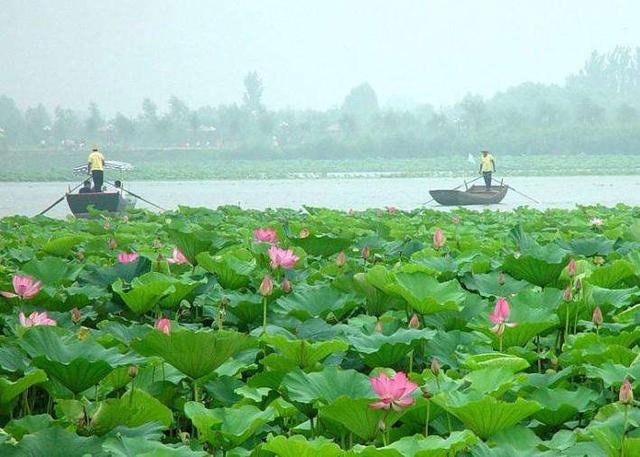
[414, 322]
[341, 259]
[438, 239]
[177, 258]
[76, 315]
[393, 392]
[266, 286]
[392, 209]
[126, 257]
[164, 325]
[572, 267]
[284, 258]
[567, 295]
[265, 235]
[365, 252]
[500, 317]
[35, 319]
[24, 286]
[596, 222]
[596, 317]
[626, 392]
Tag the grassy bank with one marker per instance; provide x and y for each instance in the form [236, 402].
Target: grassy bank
[177, 164]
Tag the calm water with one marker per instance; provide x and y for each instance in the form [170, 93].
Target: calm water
[406, 193]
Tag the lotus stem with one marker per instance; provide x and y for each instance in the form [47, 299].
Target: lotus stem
[133, 381]
[500, 343]
[624, 429]
[566, 325]
[411, 361]
[195, 391]
[264, 315]
[426, 423]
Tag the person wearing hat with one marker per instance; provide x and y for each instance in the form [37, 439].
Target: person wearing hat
[95, 164]
[487, 167]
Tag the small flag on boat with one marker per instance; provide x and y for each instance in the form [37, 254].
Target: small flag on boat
[470, 159]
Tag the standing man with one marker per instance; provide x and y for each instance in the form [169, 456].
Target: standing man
[487, 167]
[96, 169]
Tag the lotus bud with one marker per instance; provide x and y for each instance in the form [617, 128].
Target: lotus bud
[578, 284]
[132, 371]
[381, 425]
[567, 295]
[392, 209]
[571, 268]
[426, 394]
[107, 226]
[378, 327]
[286, 286]
[414, 322]
[125, 219]
[455, 220]
[435, 366]
[164, 325]
[597, 318]
[304, 233]
[598, 260]
[365, 252]
[157, 244]
[341, 259]
[80, 254]
[351, 212]
[626, 392]
[501, 279]
[112, 244]
[438, 239]
[266, 287]
[76, 316]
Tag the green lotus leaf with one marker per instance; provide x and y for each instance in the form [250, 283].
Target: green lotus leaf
[378, 349]
[52, 271]
[54, 442]
[146, 291]
[357, 416]
[629, 315]
[560, 405]
[136, 407]
[125, 446]
[232, 267]
[613, 374]
[496, 359]
[227, 427]
[611, 276]
[76, 364]
[182, 289]
[533, 270]
[298, 446]
[62, 246]
[18, 428]
[494, 285]
[488, 415]
[608, 425]
[194, 353]
[326, 385]
[315, 301]
[79, 297]
[105, 276]
[425, 294]
[493, 380]
[322, 245]
[418, 446]
[588, 247]
[193, 242]
[596, 350]
[12, 359]
[376, 301]
[302, 353]
[9, 389]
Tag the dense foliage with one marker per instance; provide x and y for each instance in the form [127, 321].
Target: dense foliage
[595, 111]
[317, 332]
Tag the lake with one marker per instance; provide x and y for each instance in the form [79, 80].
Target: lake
[340, 193]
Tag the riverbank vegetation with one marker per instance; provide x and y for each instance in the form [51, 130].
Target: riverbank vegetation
[233, 332]
[596, 111]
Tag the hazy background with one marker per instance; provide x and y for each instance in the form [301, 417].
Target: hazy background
[308, 53]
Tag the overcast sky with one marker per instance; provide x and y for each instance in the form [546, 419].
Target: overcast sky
[309, 53]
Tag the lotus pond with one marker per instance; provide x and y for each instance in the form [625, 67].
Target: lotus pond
[385, 333]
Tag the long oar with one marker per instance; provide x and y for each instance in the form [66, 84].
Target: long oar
[456, 188]
[518, 192]
[58, 201]
[137, 196]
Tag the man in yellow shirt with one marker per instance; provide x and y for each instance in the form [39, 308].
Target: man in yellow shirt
[487, 167]
[95, 164]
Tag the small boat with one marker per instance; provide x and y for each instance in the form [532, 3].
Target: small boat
[474, 195]
[109, 202]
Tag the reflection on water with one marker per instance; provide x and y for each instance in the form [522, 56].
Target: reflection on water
[405, 193]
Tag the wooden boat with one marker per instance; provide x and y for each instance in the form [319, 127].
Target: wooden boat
[474, 195]
[109, 202]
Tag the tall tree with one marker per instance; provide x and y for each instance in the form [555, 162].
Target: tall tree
[38, 122]
[11, 120]
[253, 89]
[361, 102]
[94, 121]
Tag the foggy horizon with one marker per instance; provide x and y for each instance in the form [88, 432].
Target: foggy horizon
[70, 54]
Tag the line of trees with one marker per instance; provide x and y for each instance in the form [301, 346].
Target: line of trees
[596, 110]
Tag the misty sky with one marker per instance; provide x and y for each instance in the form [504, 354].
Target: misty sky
[309, 53]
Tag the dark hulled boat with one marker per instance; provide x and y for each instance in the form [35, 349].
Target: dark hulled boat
[474, 195]
[109, 202]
